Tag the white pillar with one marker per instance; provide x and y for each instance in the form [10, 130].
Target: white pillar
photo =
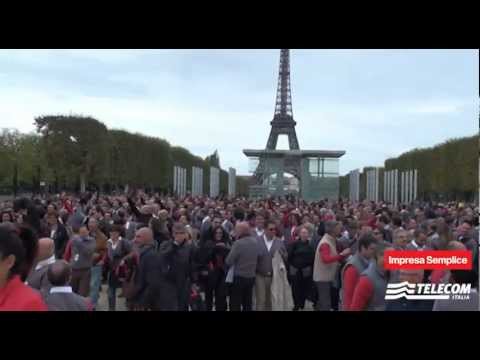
[193, 182]
[406, 186]
[385, 181]
[395, 187]
[231, 181]
[367, 180]
[179, 181]
[372, 185]
[400, 186]
[415, 184]
[369, 185]
[174, 179]
[390, 186]
[411, 186]
[184, 181]
[387, 176]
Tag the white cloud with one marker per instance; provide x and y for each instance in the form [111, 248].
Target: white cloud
[447, 107]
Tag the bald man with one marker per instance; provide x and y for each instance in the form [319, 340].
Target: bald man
[243, 257]
[413, 277]
[61, 297]
[144, 237]
[148, 274]
[45, 256]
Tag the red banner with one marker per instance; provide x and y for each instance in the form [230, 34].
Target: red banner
[428, 260]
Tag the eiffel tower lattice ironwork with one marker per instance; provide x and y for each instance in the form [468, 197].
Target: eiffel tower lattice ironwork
[282, 123]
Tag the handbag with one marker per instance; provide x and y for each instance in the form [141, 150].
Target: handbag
[196, 302]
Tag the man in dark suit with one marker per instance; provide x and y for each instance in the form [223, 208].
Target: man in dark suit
[267, 246]
[60, 296]
[148, 276]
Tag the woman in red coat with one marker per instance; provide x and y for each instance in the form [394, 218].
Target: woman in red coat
[18, 246]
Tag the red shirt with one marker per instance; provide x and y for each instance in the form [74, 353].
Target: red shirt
[327, 256]
[350, 279]
[362, 294]
[16, 296]
[67, 256]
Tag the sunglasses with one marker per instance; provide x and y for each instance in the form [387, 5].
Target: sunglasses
[272, 229]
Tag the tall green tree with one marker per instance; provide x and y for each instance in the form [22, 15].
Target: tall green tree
[76, 146]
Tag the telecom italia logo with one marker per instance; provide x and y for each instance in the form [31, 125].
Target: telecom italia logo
[424, 291]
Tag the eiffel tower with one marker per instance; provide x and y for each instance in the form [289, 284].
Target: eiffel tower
[314, 169]
[282, 123]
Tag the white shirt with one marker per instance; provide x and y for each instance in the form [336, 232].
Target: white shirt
[413, 242]
[260, 232]
[114, 245]
[45, 262]
[268, 243]
[61, 289]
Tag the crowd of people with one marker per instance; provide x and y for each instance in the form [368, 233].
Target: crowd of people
[164, 253]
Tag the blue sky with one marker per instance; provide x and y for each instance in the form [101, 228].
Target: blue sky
[374, 104]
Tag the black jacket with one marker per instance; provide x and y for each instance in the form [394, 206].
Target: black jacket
[218, 256]
[179, 271]
[301, 255]
[147, 278]
[204, 254]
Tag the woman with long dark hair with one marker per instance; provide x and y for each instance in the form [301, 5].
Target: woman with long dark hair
[291, 231]
[216, 287]
[18, 248]
[28, 214]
